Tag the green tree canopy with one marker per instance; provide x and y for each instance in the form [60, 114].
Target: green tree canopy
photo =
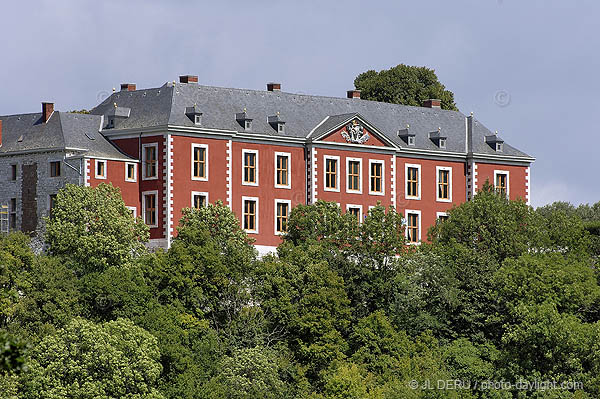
[404, 84]
[93, 228]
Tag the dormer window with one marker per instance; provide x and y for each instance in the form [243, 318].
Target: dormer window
[407, 135]
[280, 127]
[248, 125]
[495, 142]
[438, 138]
[277, 122]
[116, 115]
[244, 120]
[442, 143]
[499, 147]
[194, 114]
[411, 140]
[111, 123]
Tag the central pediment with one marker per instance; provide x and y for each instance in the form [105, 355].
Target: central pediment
[348, 129]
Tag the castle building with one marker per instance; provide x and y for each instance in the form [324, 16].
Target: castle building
[259, 152]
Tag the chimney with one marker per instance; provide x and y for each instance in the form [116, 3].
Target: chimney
[273, 86]
[432, 103]
[188, 79]
[353, 93]
[0, 132]
[127, 86]
[47, 111]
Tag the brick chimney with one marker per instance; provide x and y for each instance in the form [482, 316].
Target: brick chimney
[47, 111]
[272, 86]
[432, 103]
[127, 86]
[188, 79]
[353, 93]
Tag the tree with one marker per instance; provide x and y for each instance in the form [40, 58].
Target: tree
[92, 228]
[86, 360]
[404, 84]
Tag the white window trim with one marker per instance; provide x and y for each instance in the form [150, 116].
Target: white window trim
[382, 162]
[281, 201]
[134, 171]
[289, 170]
[244, 152]
[412, 165]
[194, 193]
[360, 210]
[194, 146]
[144, 146]
[499, 147]
[360, 175]
[412, 211]
[503, 172]
[144, 194]
[197, 119]
[133, 209]
[244, 199]
[440, 214]
[437, 183]
[98, 161]
[337, 175]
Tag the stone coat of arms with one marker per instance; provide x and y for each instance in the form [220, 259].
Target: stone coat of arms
[355, 133]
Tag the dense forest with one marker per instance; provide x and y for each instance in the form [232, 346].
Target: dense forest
[500, 293]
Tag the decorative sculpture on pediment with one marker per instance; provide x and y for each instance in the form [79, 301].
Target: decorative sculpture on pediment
[355, 133]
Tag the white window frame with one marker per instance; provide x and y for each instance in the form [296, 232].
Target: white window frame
[289, 170]
[197, 119]
[360, 210]
[360, 175]
[133, 209]
[443, 143]
[144, 146]
[257, 216]
[503, 172]
[98, 161]
[337, 175]
[244, 152]
[127, 164]
[382, 162]
[280, 201]
[411, 140]
[194, 193]
[499, 147]
[440, 214]
[412, 165]
[194, 146]
[414, 212]
[144, 194]
[437, 183]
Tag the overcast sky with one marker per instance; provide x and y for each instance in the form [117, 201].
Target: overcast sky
[525, 68]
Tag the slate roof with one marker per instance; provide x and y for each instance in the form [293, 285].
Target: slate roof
[302, 113]
[27, 132]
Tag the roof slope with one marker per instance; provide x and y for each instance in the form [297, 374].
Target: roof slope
[62, 131]
[301, 113]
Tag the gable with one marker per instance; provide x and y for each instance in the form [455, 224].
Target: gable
[354, 131]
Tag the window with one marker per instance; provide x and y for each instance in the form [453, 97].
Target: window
[442, 143]
[250, 214]
[499, 147]
[441, 217]
[501, 182]
[355, 210]
[13, 172]
[282, 214]
[444, 184]
[54, 169]
[280, 127]
[376, 177]
[199, 200]
[353, 172]
[250, 167]
[411, 140]
[282, 170]
[199, 161]
[133, 211]
[111, 123]
[150, 161]
[413, 226]
[197, 119]
[150, 209]
[130, 171]
[413, 181]
[332, 178]
[12, 221]
[100, 169]
[247, 125]
[51, 204]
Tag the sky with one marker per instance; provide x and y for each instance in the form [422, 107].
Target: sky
[525, 68]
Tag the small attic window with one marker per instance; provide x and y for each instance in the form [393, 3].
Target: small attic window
[411, 140]
[280, 127]
[198, 119]
[248, 124]
[111, 123]
[499, 147]
[442, 143]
